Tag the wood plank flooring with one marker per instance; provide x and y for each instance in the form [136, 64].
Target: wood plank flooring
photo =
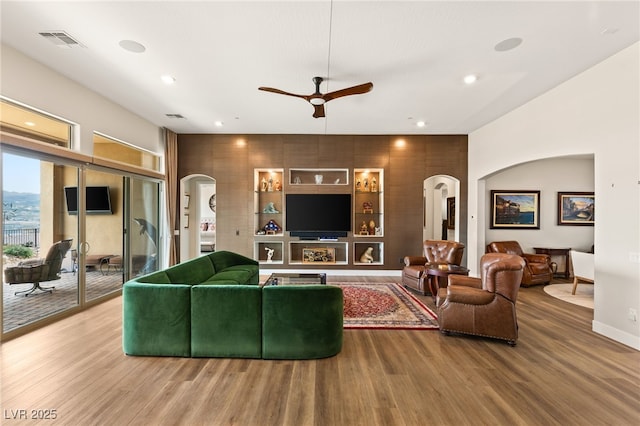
[560, 373]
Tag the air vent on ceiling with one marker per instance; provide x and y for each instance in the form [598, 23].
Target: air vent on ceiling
[174, 115]
[61, 39]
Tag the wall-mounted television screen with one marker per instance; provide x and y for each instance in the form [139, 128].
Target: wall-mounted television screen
[97, 199]
[318, 215]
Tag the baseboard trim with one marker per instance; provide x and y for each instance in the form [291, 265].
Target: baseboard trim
[616, 334]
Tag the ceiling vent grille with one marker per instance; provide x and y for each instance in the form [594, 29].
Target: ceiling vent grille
[61, 39]
[174, 115]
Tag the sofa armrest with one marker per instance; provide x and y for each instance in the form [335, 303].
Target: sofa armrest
[468, 295]
[414, 260]
[463, 280]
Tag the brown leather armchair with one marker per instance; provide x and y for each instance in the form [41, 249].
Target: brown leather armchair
[484, 306]
[435, 251]
[537, 269]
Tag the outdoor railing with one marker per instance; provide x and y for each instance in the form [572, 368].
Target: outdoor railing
[29, 237]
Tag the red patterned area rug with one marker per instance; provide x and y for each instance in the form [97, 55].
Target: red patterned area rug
[384, 306]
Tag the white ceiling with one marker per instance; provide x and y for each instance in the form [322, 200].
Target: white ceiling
[415, 53]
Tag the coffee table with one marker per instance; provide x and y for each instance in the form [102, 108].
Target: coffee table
[437, 275]
[279, 278]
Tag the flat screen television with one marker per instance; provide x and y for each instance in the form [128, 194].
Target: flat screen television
[97, 199]
[318, 215]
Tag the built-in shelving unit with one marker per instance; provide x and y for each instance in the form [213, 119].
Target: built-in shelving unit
[319, 177]
[363, 247]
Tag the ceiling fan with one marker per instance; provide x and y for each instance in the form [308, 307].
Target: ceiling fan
[318, 99]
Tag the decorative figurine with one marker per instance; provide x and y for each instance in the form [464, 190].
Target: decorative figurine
[374, 184]
[378, 230]
[367, 207]
[271, 228]
[297, 180]
[363, 228]
[269, 254]
[270, 184]
[318, 179]
[372, 227]
[366, 184]
[367, 256]
[263, 184]
[270, 208]
[358, 184]
[278, 186]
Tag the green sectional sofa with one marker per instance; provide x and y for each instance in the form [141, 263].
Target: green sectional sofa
[212, 306]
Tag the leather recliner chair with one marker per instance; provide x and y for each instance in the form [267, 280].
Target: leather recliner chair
[484, 306]
[434, 252]
[537, 269]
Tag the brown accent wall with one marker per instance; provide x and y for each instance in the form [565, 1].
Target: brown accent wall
[231, 160]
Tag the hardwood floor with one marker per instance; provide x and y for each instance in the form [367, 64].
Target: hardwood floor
[560, 373]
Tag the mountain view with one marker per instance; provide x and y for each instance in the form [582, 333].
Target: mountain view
[20, 210]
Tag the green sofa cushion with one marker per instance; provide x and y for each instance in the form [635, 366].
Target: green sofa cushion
[192, 272]
[156, 319]
[235, 276]
[223, 260]
[301, 322]
[226, 321]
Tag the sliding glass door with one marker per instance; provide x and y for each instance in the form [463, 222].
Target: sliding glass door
[72, 235]
[39, 240]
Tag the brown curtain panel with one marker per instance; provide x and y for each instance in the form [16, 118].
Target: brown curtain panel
[171, 183]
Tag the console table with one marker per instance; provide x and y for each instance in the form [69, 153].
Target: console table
[557, 252]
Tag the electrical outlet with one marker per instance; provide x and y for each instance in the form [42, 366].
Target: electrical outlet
[632, 315]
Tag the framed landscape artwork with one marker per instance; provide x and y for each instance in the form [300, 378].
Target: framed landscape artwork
[515, 209]
[576, 208]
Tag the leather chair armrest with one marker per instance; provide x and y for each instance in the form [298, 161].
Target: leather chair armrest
[414, 260]
[468, 295]
[463, 280]
[537, 258]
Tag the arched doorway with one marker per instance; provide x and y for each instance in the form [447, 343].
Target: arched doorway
[441, 196]
[198, 220]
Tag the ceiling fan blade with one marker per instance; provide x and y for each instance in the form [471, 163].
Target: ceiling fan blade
[318, 111]
[281, 92]
[355, 90]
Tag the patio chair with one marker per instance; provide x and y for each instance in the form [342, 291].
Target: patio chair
[36, 271]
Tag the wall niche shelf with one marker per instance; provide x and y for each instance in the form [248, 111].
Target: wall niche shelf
[268, 201]
[367, 215]
[262, 249]
[318, 253]
[318, 177]
[368, 253]
[368, 203]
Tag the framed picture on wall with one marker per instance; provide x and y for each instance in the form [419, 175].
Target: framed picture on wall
[515, 209]
[451, 213]
[576, 208]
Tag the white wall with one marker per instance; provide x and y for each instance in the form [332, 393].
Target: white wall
[548, 176]
[597, 112]
[29, 82]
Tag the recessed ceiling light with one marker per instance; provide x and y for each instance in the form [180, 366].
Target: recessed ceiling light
[29, 123]
[421, 124]
[470, 79]
[167, 79]
[218, 123]
[132, 46]
[508, 44]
